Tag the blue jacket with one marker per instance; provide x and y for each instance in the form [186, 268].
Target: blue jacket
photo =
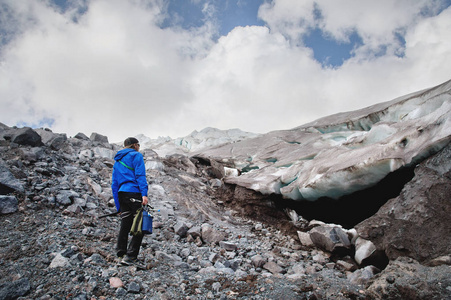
[128, 180]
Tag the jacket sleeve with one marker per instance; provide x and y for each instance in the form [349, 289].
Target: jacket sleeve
[140, 173]
[115, 190]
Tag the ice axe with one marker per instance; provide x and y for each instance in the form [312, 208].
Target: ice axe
[117, 212]
[147, 208]
[109, 215]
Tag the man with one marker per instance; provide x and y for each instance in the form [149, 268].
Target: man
[129, 188]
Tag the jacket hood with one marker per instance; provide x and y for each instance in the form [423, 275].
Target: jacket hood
[121, 153]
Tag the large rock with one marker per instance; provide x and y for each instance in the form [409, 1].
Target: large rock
[364, 249]
[103, 152]
[181, 162]
[54, 140]
[258, 261]
[416, 223]
[95, 187]
[366, 253]
[362, 276]
[212, 235]
[8, 204]
[273, 267]
[15, 289]
[181, 229]
[81, 136]
[32, 154]
[304, 238]
[96, 137]
[407, 279]
[8, 183]
[330, 238]
[26, 136]
[65, 197]
[58, 142]
[59, 261]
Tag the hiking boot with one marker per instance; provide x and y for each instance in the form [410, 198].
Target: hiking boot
[128, 261]
[119, 259]
[132, 261]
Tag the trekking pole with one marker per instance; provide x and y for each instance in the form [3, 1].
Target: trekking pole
[109, 215]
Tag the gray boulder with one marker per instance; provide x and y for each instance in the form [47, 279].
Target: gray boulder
[81, 136]
[54, 140]
[405, 278]
[364, 249]
[273, 267]
[65, 197]
[228, 246]
[46, 135]
[15, 289]
[181, 229]
[59, 261]
[103, 152]
[58, 142]
[8, 204]
[182, 163]
[133, 288]
[95, 137]
[258, 261]
[211, 235]
[304, 238]
[416, 223]
[362, 276]
[8, 183]
[330, 238]
[26, 136]
[32, 154]
[194, 232]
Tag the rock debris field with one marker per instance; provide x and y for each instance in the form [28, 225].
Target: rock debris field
[206, 242]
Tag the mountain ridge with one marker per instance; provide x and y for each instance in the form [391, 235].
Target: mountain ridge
[196, 140]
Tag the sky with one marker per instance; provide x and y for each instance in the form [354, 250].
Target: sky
[169, 67]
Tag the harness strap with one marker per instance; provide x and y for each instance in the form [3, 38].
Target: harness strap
[122, 163]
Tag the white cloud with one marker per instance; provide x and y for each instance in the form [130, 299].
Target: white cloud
[377, 22]
[116, 72]
[256, 79]
[290, 18]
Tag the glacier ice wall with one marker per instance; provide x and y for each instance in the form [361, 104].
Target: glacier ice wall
[343, 153]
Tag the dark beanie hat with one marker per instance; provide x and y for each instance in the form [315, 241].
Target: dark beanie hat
[130, 141]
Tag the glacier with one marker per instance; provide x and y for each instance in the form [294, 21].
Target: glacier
[343, 153]
[197, 140]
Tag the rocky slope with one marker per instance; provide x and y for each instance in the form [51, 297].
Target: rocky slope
[212, 239]
[55, 246]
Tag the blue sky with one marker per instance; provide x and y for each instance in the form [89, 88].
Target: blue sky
[230, 14]
[175, 66]
[328, 51]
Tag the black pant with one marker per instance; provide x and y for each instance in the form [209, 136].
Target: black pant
[128, 211]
